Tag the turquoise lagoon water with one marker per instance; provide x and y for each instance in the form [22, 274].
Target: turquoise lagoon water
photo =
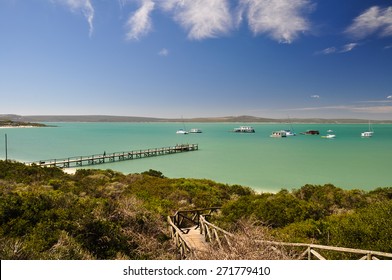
[254, 160]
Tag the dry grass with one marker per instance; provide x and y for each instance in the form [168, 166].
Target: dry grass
[245, 247]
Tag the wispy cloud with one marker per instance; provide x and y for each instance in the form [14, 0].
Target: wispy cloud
[348, 47]
[327, 51]
[377, 101]
[139, 23]
[382, 109]
[375, 20]
[201, 18]
[81, 6]
[373, 109]
[316, 96]
[343, 49]
[283, 20]
[337, 107]
[163, 52]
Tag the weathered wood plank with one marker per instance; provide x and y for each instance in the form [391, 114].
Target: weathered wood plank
[318, 255]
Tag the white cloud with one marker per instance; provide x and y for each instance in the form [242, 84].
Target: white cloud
[315, 96]
[139, 23]
[377, 101]
[350, 108]
[375, 20]
[337, 107]
[83, 6]
[283, 20]
[348, 47]
[326, 51]
[163, 52]
[344, 49]
[201, 18]
[373, 109]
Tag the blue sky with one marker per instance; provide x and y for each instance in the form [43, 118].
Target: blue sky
[197, 58]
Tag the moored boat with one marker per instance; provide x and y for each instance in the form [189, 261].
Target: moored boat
[368, 133]
[329, 136]
[182, 131]
[278, 134]
[311, 132]
[195, 130]
[244, 129]
[289, 132]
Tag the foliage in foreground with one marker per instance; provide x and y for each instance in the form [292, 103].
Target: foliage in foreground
[95, 214]
[320, 214]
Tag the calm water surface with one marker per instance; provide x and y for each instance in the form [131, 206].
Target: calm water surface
[255, 160]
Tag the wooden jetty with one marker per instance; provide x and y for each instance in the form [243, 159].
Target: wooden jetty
[114, 157]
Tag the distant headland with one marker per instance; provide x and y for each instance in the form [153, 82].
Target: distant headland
[35, 120]
[11, 124]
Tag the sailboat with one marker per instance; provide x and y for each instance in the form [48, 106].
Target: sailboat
[182, 130]
[368, 133]
[290, 132]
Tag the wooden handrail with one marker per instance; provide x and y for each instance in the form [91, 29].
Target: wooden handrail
[368, 254]
[211, 232]
[181, 244]
[181, 215]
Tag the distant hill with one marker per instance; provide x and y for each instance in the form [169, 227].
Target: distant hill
[237, 119]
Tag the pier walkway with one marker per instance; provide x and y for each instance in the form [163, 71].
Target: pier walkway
[114, 157]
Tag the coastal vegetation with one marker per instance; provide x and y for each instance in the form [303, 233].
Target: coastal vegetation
[102, 214]
[10, 123]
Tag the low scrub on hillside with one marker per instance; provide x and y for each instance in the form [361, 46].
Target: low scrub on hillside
[103, 214]
[324, 215]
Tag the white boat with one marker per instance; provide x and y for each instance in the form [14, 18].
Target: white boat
[368, 133]
[244, 129]
[278, 134]
[329, 136]
[182, 131]
[195, 130]
[289, 132]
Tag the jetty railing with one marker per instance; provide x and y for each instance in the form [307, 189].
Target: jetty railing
[79, 161]
[310, 252]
